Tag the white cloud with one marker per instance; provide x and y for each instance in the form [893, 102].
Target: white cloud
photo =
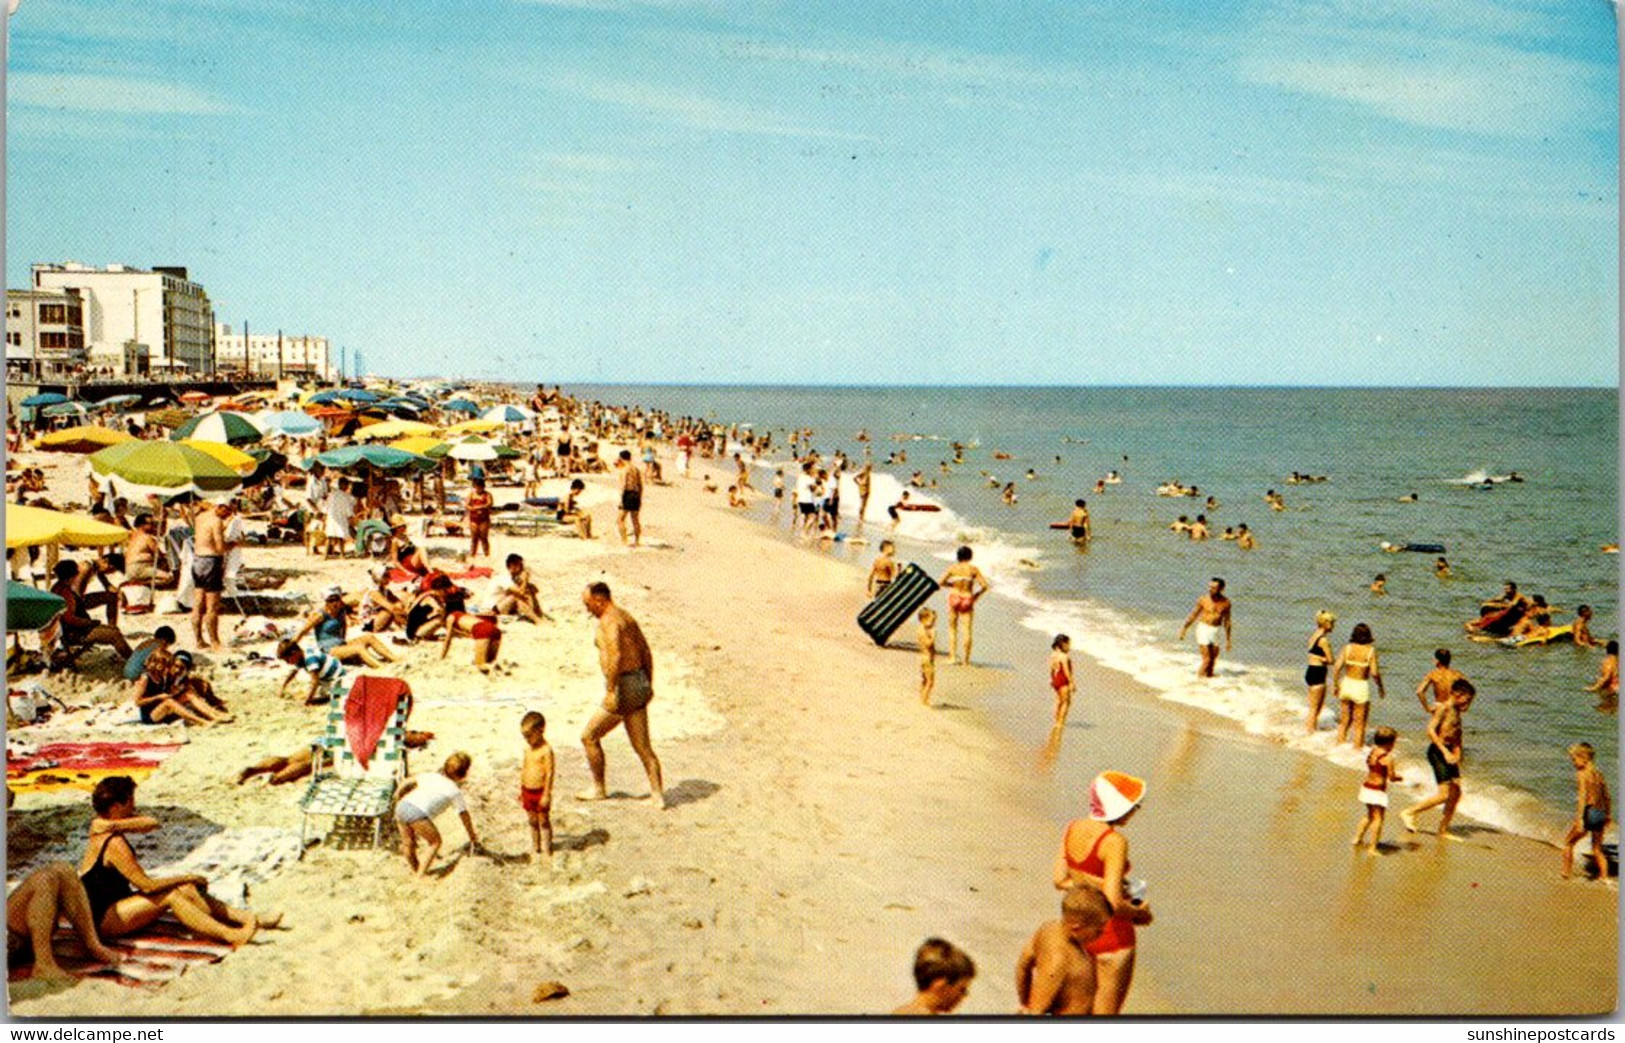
[123, 95]
[700, 111]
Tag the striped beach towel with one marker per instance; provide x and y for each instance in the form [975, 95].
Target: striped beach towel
[159, 953]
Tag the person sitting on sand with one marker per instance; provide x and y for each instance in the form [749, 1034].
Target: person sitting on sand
[516, 593]
[1593, 809]
[483, 629]
[46, 895]
[1055, 973]
[536, 783]
[942, 976]
[197, 691]
[79, 631]
[965, 585]
[325, 671]
[124, 899]
[883, 570]
[403, 553]
[571, 512]
[159, 644]
[332, 626]
[160, 695]
[423, 797]
[382, 609]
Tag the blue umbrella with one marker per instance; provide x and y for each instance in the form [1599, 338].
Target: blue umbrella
[356, 395]
[461, 405]
[292, 422]
[46, 398]
[322, 398]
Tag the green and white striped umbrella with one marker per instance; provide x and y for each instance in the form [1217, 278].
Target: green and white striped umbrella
[230, 428]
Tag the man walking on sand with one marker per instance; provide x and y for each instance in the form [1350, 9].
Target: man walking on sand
[628, 668]
[631, 497]
[209, 572]
[1212, 611]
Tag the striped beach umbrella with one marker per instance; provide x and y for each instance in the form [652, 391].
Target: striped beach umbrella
[65, 409]
[508, 414]
[226, 428]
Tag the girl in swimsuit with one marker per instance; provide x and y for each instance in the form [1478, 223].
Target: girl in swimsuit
[1355, 669]
[1379, 772]
[124, 899]
[1320, 661]
[1094, 851]
[332, 627]
[965, 584]
[1060, 676]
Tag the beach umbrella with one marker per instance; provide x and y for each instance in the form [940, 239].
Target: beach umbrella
[320, 398]
[45, 398]
[394, 429]
[195, 397]
[293, 423]
[169, 417]
[461, 405]
[65, 409]
[231, 456]
[40, 527]
[421, 445]
[84, 439]
[358, 395]
[480, 449]
[267, 465]
[507, 414]
[165, 469]
[29, 608]
[119, 401]
[368, 457]
[227, 428]
[473, 427]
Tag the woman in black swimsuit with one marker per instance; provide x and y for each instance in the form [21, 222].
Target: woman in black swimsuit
[124, 899]
[1320, 661]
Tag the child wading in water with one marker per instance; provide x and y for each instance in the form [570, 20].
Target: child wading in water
[1593, 809]
[536, 783]
[928, 655]
[1060, 676]
[1379, 772]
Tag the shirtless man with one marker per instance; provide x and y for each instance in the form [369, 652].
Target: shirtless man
[628, 666]
[631, 498]
[1212, 611]
[1055, 974]
[1439, 679]
[209, 572]
[966, 585]
[142, 553]
[1078, 524]
[862, 481]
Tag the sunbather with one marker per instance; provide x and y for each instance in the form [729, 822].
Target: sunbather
[162, 695]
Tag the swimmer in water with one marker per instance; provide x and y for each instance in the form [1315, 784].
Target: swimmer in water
[1379, 586]
[1408, 499]
[1441, 568]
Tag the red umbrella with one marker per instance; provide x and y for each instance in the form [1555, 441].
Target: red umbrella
[195, 396]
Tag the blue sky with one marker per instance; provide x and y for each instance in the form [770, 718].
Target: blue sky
[1305, 192]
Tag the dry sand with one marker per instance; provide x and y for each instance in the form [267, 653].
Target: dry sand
[824, 824]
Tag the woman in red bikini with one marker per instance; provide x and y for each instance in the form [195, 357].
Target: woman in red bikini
[965, 584]
[1093, 850]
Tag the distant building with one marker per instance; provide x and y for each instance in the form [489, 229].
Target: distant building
[45, 332]
[125, 306]
[273, 355]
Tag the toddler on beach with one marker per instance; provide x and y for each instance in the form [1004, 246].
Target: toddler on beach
[420, 799]
[1593, 809]
[927, 640]
[942, 973]
[536, 783]
[1379, 772]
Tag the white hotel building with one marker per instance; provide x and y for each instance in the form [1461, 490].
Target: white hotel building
[273, 354]
[124, 306]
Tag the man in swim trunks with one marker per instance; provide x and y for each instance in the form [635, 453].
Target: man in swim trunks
[1078, 524]
[1212, 611]
[1444, 757]
[631, 498]
[628, 666]
[208, 572]
[965, 585]
[1056, 973]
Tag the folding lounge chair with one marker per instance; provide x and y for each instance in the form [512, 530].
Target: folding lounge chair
[340, 785]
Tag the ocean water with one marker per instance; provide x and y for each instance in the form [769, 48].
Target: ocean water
[1123, 599]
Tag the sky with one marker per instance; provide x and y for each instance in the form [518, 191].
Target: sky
[1311, 192]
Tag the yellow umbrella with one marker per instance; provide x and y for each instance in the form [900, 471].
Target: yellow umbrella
[39, 527]
[231, 456]
[471, 427]
[422, 445]
[86, 438]
[394, 429]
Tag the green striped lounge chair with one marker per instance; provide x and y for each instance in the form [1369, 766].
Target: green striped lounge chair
[340, 786]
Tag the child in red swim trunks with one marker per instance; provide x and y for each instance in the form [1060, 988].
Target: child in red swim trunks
[536, 783]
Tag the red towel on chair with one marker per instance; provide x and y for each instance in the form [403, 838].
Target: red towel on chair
[368, 710]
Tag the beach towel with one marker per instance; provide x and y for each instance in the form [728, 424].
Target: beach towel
[81, 765]
[402, 576]
[368, 710]
[235, 859]
[160, 952]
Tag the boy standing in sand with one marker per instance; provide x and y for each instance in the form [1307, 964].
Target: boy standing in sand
[536, 783]
[1592, 809]
[1056, 974]
[1212, 611]
[1444, 756]
[884, 569]
[927, 639]
[942, 973]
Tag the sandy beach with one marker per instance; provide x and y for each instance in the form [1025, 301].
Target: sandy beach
[824, 824]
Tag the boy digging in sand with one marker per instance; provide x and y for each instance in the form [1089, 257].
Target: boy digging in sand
[928, 655]
[1593, 809]
[943, 973]
[536, 783]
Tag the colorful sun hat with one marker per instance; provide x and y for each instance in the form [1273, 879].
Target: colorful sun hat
[1114, 795]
